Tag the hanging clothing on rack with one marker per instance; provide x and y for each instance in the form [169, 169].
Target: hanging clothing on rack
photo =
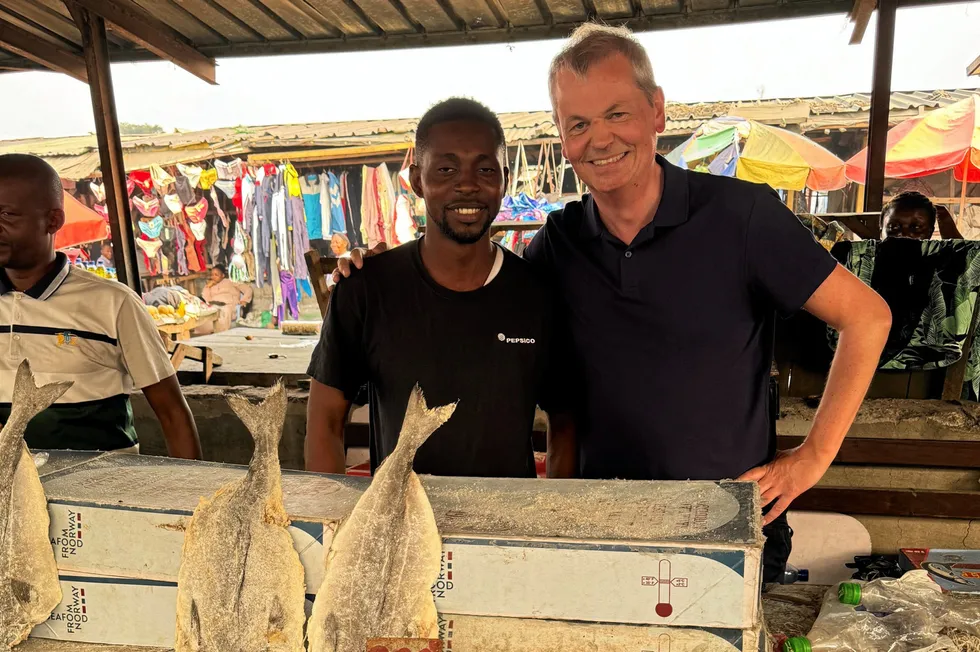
[351, 181]
[231, 170]
[227, 186]
[371, 232]
[290, 295]
[142, 179]
[208, 177]
[324, 180]
[185, 190]
[278, 220]
[173, 203]
[180, 248]
[337, 221]
[301, 239]
[310, 186]
[147, 206]
[161, 178]
[247, 213]
[386, 203]
[405, 229]
[98, 190]
[192, 172]
[290, 177]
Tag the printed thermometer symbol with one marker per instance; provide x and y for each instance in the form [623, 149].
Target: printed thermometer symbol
[663, 583]
[663, 607]
[663, 643]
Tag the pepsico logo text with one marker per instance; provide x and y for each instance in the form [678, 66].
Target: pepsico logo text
[514, 340]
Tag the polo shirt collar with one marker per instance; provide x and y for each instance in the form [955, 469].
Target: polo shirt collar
[48, 283]
[673, 209]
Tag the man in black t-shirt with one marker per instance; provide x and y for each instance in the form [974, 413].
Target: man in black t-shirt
[453, 312]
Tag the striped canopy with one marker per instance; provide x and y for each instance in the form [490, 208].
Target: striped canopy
[750, 150]
[944, 139]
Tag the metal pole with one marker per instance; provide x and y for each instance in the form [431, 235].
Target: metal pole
[881, 96]
[96, 52]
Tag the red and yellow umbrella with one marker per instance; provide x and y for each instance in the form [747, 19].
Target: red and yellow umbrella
[944, 139]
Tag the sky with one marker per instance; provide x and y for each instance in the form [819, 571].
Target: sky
[779, 59]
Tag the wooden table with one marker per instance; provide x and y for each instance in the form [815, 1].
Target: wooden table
[183, 331]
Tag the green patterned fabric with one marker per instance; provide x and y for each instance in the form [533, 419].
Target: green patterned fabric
[931, 287]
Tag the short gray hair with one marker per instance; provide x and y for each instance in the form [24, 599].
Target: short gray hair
[593, 42]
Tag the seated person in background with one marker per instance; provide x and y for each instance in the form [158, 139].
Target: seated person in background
[106, 258]
[453, 312]
[912, 215]
[228, 296]
[74, 325]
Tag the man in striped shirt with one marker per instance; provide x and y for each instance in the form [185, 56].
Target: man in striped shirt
[74, 325]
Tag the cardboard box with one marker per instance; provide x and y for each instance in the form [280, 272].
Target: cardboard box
[404, 645]
[955, 571]
[679, 554]
[90, 610]
[479, 634]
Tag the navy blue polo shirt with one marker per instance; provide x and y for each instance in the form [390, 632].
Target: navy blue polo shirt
[673, 334]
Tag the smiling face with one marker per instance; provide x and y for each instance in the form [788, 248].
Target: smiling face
[608, 125]
[462, 176]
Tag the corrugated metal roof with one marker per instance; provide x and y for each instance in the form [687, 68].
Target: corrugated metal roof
[220, 28]
[77, 157]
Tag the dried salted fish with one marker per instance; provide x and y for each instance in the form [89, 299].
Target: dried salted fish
[385, 557]
[240, 587]
[29, 588]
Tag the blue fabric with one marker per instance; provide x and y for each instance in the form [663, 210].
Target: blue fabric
[337, 224]
[314, 216]
[304, 285]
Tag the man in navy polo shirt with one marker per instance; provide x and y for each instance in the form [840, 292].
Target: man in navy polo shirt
[671, 282]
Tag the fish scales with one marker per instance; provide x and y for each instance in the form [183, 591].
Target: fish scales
[29, 588]
[240, 586]
[386, 556]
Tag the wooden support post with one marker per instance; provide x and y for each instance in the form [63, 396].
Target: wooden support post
[974, 68]
[966, 172]
[110, 145]
[881, 97]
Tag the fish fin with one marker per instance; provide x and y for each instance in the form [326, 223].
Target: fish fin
[29, 400]
[263, 421]
[421, 421]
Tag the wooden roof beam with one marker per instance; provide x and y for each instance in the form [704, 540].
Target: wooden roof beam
[136, 25]
[29, 46]
[974, 68]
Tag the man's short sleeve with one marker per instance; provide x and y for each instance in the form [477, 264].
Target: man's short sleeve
[784, 261]
[143, 354]
[339, 360]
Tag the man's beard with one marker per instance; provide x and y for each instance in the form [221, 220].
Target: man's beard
[462, 238]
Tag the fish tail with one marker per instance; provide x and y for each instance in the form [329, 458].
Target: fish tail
[420, 422]
[265, 420]
[29, 400]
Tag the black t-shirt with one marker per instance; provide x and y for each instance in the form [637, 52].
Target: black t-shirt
[392, 326]
[674, 333]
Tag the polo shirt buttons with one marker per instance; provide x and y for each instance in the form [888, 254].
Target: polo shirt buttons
[629, 254]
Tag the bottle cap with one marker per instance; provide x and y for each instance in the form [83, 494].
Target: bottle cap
[797, 644]
[849, 593]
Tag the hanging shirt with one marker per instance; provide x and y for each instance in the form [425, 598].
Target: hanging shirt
[291, 178]
[386, 204]
[337, 224]
[310, 186]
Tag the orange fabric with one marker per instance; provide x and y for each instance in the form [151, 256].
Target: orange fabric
[82, 225]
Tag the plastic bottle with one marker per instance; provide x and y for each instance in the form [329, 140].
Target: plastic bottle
[792, 574]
